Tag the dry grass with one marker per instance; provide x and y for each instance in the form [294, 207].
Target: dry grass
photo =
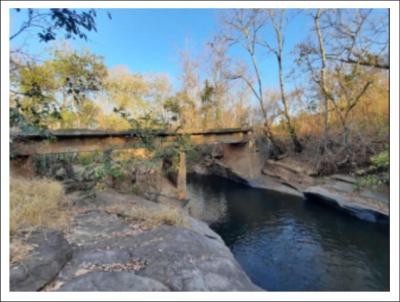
[37, 202]
[19, 249]
[151, 216]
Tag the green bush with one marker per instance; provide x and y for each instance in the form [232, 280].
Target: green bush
[378, 172]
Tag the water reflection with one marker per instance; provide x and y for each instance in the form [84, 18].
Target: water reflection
[207, 205]
[286, 243]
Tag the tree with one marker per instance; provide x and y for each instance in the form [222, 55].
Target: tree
[322, 84]
[219, 73]
[358, 36]
[74, 24]
[189, 96]
[159, 92]
[78, 74]
[127, 91]
[207, 102]
[348, 85]
[65, 83]
[341, 85]
[243, 28]
[33, 102]
[277, 19]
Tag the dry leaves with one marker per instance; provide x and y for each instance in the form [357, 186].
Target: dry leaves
[132, 265]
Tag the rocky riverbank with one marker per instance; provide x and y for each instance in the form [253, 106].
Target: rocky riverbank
[292, 177]
[108, 249]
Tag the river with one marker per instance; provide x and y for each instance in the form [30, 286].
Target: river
[286, 243]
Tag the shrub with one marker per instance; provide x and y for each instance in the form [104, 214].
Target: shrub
[378, 172]
[37, 202]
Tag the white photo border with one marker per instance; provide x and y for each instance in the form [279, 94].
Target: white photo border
[393, 295]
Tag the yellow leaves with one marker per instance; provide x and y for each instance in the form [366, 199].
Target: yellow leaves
[37, 76]
[111, 121]
[139, 153]
[67, 119]
[371, 115]
[127, 90]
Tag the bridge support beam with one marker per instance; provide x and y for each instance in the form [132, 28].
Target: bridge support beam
[71, 141]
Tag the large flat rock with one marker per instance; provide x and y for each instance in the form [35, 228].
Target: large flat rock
[346, 199]
[257, 180]
[185, 260]
[173, 258]
[51, 253]
[113, 281]
[112, 253]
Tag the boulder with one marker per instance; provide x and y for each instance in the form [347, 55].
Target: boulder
[81, 173]
[60, 174]
[185, 260]
[289, 172]
[173, 258]
[178, 258]
[50, 254]
[112, 281]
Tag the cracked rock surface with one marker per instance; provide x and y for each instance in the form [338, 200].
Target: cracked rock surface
[107, 252]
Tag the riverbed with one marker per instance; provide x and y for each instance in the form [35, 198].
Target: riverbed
[286, 243]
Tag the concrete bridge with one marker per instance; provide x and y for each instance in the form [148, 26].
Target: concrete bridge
[24, 145]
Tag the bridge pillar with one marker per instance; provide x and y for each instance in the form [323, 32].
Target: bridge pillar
[181, 177]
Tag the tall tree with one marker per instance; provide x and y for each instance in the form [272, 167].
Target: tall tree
[358, 36]
[42, 92]
[322, 84]
[189, 96]
[341, 84]
[278, 21]
[348, 86]
[219, 71]
[243, 28]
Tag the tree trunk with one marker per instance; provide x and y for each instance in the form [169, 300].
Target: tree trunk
[271, 138]
[322, 78]
[292, 131]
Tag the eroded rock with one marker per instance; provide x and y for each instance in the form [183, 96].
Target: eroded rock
[342, 197]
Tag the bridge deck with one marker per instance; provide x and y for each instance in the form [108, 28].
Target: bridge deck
[82, 140]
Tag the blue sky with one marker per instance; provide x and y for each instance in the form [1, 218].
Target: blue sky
[149, 40]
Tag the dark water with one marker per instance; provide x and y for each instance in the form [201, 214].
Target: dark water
[285, 243]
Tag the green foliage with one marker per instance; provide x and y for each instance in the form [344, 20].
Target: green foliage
[171, 104]
[193, 156]
[146, 123]
[33, 105]
[78, 74]
[377, 173]
[57, 91]
[207, 93]
[381, 160]
[108, 167]
[73, 23]
[47, 164]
